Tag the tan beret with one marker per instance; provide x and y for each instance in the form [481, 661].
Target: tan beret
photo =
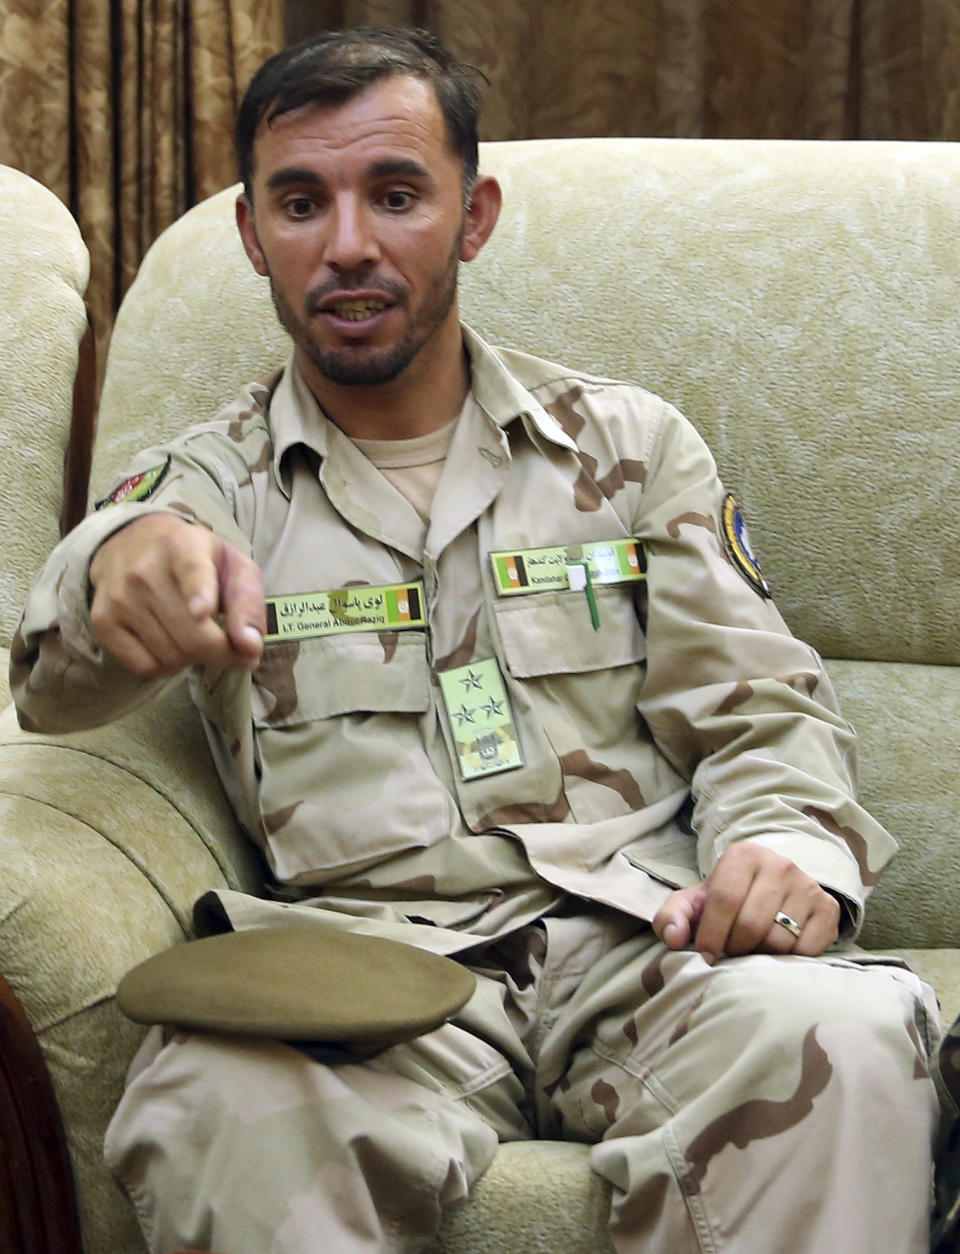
[308, 983]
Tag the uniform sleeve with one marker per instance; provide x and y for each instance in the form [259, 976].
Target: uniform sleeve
[739, 706]
[61, 677]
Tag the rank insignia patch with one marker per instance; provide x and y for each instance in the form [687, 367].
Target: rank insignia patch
[736, 540]
[137, 487]
[480, 718]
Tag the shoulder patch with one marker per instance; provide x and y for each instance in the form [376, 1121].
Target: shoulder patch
[736, 541]
[137, 487]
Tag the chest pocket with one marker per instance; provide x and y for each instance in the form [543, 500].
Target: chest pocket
[344, 780]
[551, 633]
[319, 678]
[581, 688]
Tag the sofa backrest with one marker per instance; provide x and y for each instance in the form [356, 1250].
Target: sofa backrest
[796, 300]
[195, 325]
[43, 276]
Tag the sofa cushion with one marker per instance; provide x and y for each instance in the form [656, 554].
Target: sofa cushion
[908, 724]
[539, 1197]
[42, 320]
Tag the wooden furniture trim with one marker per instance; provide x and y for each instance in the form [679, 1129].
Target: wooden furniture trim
[38, 1200]
[79, 455]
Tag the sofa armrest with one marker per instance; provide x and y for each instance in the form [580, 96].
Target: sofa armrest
[106, 840]
[146, 784]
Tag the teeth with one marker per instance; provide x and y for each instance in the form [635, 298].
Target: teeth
[357, 310]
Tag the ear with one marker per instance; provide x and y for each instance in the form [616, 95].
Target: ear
[248, 233]
[481, 216]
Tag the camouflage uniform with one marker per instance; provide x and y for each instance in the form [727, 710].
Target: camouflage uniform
[686, 708]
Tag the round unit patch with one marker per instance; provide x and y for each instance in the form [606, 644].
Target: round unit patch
[736, 540]
[137, 487]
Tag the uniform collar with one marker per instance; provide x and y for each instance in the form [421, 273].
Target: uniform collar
[296, 417]
[503, 397]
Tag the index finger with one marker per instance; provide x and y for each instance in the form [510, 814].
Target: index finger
[213, 577]
[727, 890]
[242, 602]
[194, 571]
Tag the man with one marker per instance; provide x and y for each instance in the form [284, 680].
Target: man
[562, 735]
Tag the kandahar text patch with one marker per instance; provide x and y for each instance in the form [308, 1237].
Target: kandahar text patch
[137, 487]
[548, 570]
[736, 540]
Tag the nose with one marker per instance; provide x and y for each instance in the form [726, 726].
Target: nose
[351, 240]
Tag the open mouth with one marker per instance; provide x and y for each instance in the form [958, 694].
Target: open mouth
[356, 310]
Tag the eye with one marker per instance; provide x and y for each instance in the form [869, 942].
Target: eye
[397, 200]
[298, 206]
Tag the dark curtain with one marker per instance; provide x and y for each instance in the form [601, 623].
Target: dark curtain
[125, 107]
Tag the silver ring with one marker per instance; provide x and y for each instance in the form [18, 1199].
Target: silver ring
[792, 926]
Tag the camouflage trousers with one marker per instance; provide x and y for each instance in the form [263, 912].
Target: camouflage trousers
[764, 1104]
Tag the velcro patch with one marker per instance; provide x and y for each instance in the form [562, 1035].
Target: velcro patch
[137, 487]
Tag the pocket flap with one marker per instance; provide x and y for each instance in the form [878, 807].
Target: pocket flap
[299, 681]
[550, 633]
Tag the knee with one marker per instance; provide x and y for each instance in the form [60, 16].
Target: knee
[841, 1009]
[345, 1146]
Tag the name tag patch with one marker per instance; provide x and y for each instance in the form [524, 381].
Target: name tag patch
[547, 570]
[478, 709]
[390, 607]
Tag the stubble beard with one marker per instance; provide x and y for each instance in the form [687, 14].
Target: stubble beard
[363, 366]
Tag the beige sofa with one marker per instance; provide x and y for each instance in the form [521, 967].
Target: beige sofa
[44, 268]
[797, 301]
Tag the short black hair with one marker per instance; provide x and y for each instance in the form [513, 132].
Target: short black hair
[334, 66]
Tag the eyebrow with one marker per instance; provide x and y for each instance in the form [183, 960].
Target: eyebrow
[398, 167]
[291, 175]
[389, 167]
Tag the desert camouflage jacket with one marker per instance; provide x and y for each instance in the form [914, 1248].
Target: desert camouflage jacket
[447, 741]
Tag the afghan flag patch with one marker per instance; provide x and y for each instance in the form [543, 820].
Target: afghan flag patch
[137, 487]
